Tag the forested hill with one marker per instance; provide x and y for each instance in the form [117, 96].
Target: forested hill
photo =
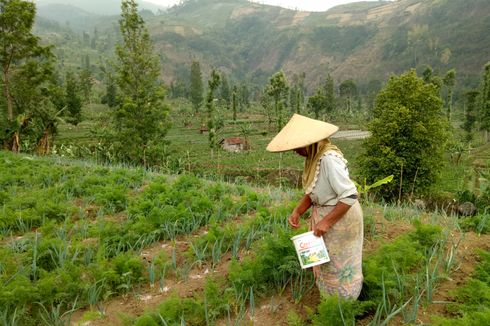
[364, 41]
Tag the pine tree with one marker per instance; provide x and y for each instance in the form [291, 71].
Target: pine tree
[196, 86]
[470, 113]
[484, 104]
[73, 101]
[234, 103]
[449, 81]
[140, 122]
[225, 90]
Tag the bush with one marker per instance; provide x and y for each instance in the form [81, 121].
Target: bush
[408, 133]
[333, 311]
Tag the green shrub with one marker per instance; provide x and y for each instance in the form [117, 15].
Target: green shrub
[333, 311]
[145, 320]
[175, 309]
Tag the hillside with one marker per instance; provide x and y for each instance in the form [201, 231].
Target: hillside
[364, 41]
[97, 7]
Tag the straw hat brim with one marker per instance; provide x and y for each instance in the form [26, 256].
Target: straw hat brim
[299, 132]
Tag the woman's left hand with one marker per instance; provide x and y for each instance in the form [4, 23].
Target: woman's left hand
[321, 227]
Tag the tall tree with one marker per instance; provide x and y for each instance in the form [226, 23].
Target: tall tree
[26, 69]
[484, 111]
[213, 84]
[73, 101]
[278, 89]
[449, 81]
[140, 122]
[234, 103]
[317, 103]
[196, 86]
[348, 91]
[110, 97]
[17, 43]
[329, 92]
[408, 136]
[470, 113]
[225, 90]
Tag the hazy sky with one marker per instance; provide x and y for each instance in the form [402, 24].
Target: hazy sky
[309, 5]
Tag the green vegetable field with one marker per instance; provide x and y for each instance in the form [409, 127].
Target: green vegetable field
[86, 244]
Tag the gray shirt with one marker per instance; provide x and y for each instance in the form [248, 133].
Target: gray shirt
[332, 183]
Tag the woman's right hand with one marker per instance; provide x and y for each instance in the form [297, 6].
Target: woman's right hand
[293, 220]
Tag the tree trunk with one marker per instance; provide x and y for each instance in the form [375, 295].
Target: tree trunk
[8, 97]
[15, 147]
[44, 144]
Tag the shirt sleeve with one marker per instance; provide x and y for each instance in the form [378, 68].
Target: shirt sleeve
[338, 176]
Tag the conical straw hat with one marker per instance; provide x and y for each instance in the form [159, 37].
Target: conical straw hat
[299, 132]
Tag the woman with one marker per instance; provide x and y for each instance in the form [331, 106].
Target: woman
[336, 213]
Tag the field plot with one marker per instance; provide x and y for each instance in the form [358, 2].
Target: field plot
[85, 244]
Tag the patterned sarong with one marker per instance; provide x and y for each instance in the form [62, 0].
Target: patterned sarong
[342, 275]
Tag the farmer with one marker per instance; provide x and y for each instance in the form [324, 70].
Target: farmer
[336, 213]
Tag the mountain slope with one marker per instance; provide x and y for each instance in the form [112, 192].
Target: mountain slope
[98, 7]
[363, 41]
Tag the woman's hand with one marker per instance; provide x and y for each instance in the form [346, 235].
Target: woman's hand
[293, 220]
[321, 227]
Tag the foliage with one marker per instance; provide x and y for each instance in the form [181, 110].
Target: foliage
[408, 137]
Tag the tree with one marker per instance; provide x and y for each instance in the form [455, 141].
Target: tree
[16, 40]
[470, 113]
[196, 86]
[484, 104]
[213, 84]
[86, 83]
[140, 122]
[348, 90]
[234, 101]
[225, 90]
[329, 89]
[408, 136]
[317, 103]
[278, 90]
[73, 101]
[110, 97]
[449, 81]
[297, 92]
[26, 71]
[243, 97]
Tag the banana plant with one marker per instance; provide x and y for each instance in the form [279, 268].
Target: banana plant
[363, 189]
